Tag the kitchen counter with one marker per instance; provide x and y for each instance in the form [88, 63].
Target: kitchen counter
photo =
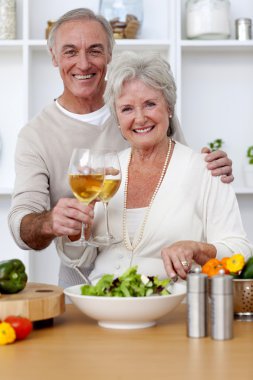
[75, 347]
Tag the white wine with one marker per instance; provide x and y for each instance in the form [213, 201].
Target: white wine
[110, 187]
[86, 187]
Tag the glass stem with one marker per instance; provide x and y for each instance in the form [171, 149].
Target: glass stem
[108, 234]
[82, 237]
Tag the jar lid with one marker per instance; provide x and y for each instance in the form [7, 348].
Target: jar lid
[243, 20]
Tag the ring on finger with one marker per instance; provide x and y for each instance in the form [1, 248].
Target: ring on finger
[185, 263]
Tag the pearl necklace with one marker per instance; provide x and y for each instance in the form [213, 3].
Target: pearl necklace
[128, 245]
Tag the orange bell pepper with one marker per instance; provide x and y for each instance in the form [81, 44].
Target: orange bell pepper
[213, 266]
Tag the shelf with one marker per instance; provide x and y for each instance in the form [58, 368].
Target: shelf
[144, 43]
[6, 191]
[11, 43]
[215, 45]
[120, 44]
[244, 190]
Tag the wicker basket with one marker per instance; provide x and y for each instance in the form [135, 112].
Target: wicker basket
[243, 299]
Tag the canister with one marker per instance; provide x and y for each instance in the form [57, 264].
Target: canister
[7, 19]
[207, 19]
[243, 29]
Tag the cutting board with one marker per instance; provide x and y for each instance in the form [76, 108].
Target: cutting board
[36, 301]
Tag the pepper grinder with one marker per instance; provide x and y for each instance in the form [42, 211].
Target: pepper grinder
[196, 304]
[222, 306]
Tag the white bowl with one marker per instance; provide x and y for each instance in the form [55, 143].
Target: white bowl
[126, 312]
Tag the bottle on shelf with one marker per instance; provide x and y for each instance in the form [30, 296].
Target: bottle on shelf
[7, 19]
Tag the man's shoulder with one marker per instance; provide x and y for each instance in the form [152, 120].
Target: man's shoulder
[49, 112]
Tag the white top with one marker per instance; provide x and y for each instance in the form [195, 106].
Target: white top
[135, 217]
[190, 204]
[96, 118]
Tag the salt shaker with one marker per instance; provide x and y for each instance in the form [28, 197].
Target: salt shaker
[196, 304]
[222, 306]
[243, 29]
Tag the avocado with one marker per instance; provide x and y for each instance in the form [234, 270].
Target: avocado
[247, 271]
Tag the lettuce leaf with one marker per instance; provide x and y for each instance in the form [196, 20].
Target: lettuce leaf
[129, 284]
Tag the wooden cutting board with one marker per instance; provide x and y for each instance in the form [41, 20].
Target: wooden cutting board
[37, 302]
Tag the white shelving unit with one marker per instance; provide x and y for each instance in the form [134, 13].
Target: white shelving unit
[214, 80]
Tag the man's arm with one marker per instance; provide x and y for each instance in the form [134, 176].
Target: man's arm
[37, 230]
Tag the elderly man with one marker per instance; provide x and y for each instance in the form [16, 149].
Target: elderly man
[43, 206]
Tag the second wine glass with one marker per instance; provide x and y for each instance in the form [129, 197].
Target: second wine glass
[112, 181]
[86, 178]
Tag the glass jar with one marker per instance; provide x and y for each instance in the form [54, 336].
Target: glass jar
[50, 24]
[7, 19]
[125, 17]
[208, 19]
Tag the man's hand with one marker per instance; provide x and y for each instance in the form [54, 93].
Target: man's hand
[66, 218]
[219, 164]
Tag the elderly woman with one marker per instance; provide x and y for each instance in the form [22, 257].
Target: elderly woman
[169, 211]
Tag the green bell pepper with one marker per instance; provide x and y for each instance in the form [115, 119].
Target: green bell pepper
[13, 277]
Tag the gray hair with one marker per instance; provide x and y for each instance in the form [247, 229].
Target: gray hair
[150, 68]
[82, 14]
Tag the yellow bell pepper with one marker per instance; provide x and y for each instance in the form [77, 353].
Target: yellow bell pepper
[7, 333]
[235, 263]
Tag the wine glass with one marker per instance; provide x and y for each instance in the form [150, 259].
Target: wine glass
[86, 178]
[112, 181]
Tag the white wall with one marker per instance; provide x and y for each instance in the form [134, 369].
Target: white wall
[201, 109]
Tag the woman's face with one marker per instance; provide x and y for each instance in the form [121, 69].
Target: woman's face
[143, 114]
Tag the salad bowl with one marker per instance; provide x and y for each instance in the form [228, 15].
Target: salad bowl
[127, 312]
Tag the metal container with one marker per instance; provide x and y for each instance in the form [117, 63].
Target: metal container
[243, 29]
[243, 299]
[196, 304]
[7, 19]
[222, 310]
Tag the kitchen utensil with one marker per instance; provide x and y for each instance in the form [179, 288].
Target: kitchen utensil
[37, 302]
[243, 299]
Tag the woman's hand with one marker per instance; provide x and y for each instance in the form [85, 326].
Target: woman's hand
[219, 164]
[179, 256]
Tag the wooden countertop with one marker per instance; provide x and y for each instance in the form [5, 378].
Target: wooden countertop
[75, 347]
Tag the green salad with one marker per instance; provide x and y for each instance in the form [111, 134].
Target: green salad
[129, 284]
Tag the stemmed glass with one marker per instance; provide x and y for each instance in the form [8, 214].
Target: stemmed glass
[110, 186]
[86, 177]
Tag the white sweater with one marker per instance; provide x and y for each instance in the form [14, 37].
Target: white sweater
[191, 204]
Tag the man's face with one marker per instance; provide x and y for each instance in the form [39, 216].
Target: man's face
[81, 53]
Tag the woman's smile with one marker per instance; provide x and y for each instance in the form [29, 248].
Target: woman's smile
[144, 130]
